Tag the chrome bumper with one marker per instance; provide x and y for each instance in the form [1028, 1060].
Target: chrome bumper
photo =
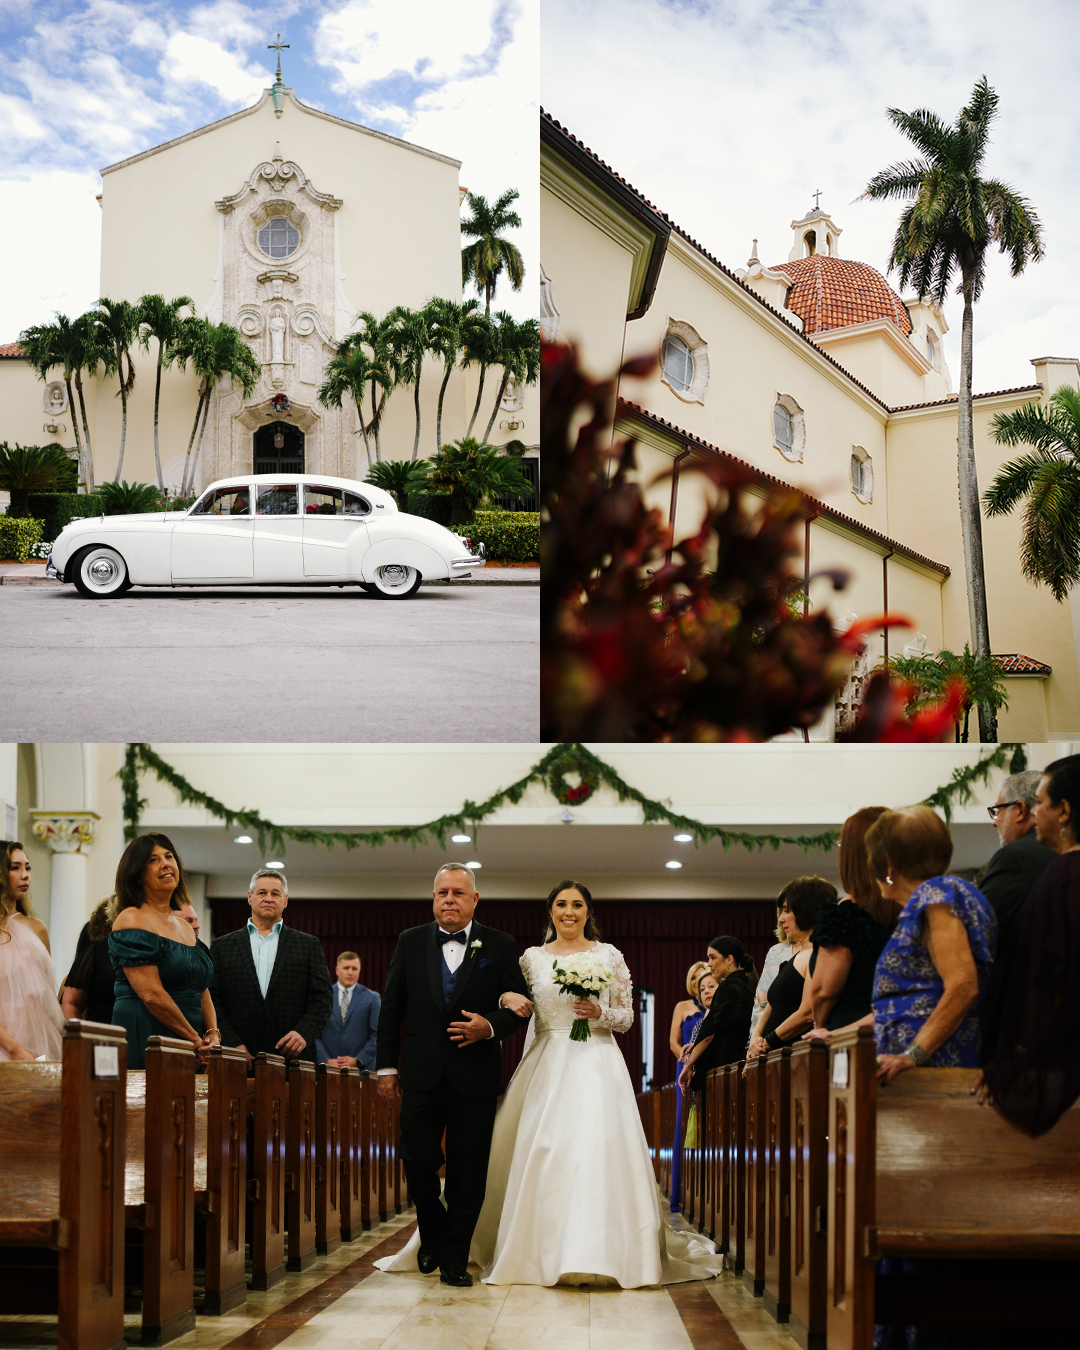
[469, 562]
[50, 570]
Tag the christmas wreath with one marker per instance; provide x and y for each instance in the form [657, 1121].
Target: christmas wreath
[564, 792]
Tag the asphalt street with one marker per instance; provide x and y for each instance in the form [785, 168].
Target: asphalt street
[453, 663]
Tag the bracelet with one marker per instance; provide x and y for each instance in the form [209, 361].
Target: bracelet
[773, 1041]
[917, 1054]
[213, 1031]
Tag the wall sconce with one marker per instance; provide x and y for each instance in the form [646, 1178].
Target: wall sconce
[279, 440]
[54, 428]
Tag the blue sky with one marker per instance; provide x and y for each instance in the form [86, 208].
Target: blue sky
[729, 114]
[83, 85]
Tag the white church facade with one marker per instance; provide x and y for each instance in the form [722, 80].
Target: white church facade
[815, 374]
[285, 222]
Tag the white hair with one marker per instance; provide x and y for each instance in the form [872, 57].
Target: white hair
[269, 872]
[456, 867]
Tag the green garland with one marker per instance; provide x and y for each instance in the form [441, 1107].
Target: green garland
[140, 757]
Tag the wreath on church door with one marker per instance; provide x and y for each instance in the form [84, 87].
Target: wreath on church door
[571, 765]
[280, 403]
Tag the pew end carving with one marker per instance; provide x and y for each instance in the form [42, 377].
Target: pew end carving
[268, 1093]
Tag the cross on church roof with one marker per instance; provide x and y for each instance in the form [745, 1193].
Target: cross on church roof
[277, 46]
[817, 194]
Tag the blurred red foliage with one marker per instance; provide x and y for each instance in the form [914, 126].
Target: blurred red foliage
[639, 641]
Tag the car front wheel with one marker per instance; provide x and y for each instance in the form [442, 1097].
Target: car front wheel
[396, 582]
[100, 572]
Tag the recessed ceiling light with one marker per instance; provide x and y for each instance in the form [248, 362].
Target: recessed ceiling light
[474, 864]
[684, 838]
[243, 839]
[279, 864]
[673, 865]
[461, 838]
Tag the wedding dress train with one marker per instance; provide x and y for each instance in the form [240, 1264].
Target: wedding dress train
[571, 1196]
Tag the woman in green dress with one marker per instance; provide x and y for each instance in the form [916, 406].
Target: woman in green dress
[162, 971]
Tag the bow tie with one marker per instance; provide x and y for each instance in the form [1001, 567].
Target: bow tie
[444, 938]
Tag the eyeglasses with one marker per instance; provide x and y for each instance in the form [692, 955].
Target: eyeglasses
[992, 811]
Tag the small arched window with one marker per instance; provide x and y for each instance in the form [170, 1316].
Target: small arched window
[862, 474]
[783, 429]
[933, 348]
[678, 363]
[789, 428]
[279, 237]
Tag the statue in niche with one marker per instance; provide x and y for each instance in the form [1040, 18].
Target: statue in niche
[277, 338]
[54, 399]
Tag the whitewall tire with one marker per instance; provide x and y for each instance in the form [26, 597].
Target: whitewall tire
[100, 572]
[396, 582]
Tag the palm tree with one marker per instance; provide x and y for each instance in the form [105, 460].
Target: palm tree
[483, 261]
[159, 319]
[519, 356]
[1048, 482]
[452, 322]
[482, 348]
[347, 372]
[951, 217]
[411, 336]
[375, 335]
[400, 477]
[118, 322]
[33, 468]
[74, 346]
[469, 472]
[216, 351]
[932, 675]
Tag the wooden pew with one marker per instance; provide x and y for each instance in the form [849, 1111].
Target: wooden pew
[369, 1153]
[269, 1104]
[731, 1235]
[220, 1175]
[327, 1159]
[351, 1202]
[809, 1113]
[777, 1169]
[61, 1187]
[754, 1204]
[649, 1113]
[300, 1163]
[667, 1136]
[712, 1136]
[401, 1189]
[918, 1170]
[693, 1195]
[159, 1188]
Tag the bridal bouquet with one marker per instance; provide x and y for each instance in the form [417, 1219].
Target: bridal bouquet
[581, 975]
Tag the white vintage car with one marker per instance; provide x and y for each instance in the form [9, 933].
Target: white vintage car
[265, 529]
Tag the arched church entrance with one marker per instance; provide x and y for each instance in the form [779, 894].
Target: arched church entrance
[279, 448]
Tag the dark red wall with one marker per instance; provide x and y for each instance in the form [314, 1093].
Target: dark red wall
[660, 940]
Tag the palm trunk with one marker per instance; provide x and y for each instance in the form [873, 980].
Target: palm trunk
[479, 396]
[442, 394]
[157, 405]
[363, 429]
[198, 448]
[123, 417]
[498, 400]
[376, 420]
[416, 405]
[191, 442]
[970, 513]
[86, 433]
[75, 427]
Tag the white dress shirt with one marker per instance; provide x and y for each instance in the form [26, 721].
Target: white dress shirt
[264, 952]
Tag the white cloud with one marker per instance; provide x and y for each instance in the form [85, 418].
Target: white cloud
[729, 114]
[190, 58]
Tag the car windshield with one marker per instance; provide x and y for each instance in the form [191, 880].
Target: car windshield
[280, 499]
[234, 501]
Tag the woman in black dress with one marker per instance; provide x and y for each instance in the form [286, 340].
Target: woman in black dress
[722, 1035]
[788, 1013]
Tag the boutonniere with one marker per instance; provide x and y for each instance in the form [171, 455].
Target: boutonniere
[475, 946]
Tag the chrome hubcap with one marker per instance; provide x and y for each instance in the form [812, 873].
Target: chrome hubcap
[102, 571]
[394, 575]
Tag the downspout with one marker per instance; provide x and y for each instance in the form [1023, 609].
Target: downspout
[885, 598]
[806, 592]
[675, 496]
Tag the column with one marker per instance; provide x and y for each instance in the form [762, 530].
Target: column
[70, 836]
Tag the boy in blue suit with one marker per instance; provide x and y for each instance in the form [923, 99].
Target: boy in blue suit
[348, 1039]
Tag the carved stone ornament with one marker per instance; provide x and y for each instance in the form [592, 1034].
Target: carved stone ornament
[306, 320]
[549, 315]
[278, 173]
[250, 321]
[54, 399]
[69, 832]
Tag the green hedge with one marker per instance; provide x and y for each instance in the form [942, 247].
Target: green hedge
[507, 536]
[18, 534]
[431, 505]
[57, 509]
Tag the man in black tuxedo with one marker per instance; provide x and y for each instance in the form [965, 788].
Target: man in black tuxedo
[1007, 880]
[451, 1066]
[270, 986]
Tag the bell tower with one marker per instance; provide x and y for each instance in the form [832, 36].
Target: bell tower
[815, 233]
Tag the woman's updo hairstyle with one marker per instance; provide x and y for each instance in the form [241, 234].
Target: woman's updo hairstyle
[592, 929]
[731, 946]
[1063, 785]
[129, 873]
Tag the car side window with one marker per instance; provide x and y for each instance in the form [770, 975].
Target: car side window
[224, 502]
[279, 499]
[356, 505]
[322, 501]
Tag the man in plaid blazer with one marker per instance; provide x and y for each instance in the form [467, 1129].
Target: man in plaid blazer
[271, 987]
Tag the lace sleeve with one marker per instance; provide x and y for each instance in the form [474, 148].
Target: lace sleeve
[619, 1014]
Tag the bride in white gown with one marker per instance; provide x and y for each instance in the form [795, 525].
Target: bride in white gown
[571, 1196]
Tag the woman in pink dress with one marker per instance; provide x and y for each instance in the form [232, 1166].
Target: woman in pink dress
[30, 1019]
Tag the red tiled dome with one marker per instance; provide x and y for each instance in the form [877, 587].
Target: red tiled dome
[835, 292]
